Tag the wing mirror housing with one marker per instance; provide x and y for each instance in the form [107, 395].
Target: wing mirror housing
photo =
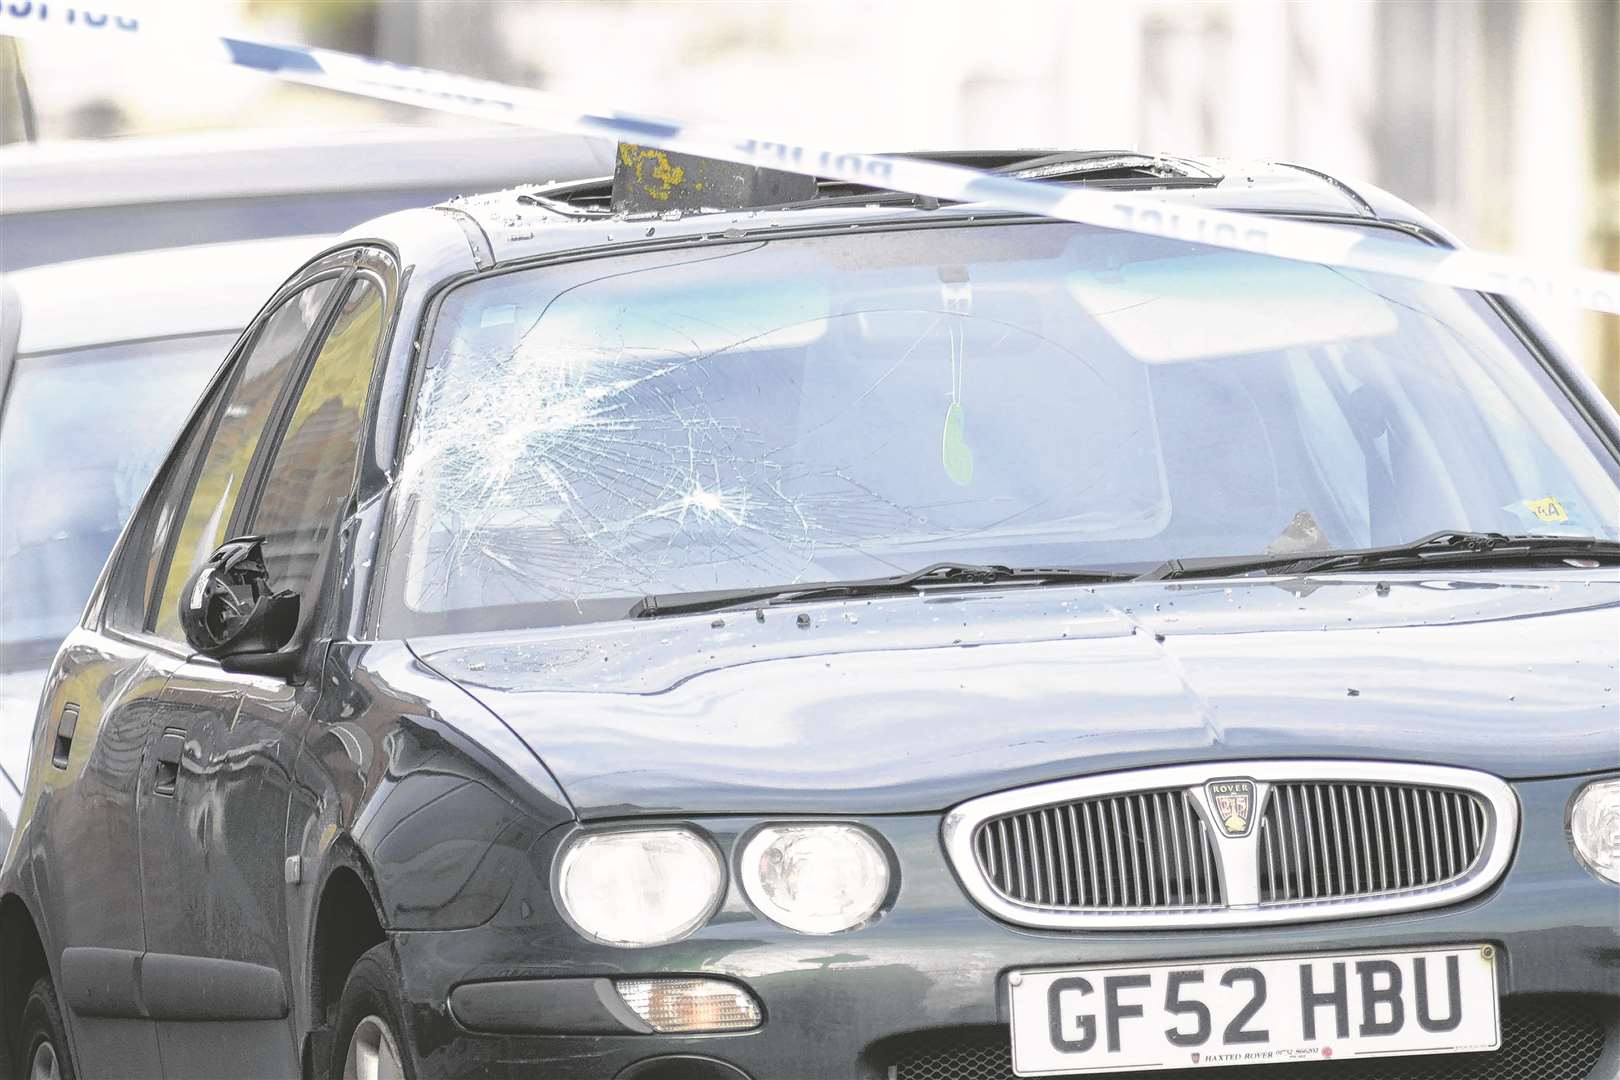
[230, 611]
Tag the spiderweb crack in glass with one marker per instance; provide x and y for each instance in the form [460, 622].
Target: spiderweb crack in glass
[609, 471]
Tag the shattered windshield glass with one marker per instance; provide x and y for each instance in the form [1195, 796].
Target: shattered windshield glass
[864, 404]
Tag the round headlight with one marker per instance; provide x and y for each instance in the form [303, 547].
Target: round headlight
[1594, 827]
[641, 886]
[817, 879]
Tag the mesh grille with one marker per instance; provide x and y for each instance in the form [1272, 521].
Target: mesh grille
[1326, 841]
[1145, 851]
[1549, 1039]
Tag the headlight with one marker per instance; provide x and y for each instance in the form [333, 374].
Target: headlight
[1594, 827]
[640, 887]
[817, 879]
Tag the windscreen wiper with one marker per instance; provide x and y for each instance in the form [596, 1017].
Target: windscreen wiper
[1447, 548]
[938, 574]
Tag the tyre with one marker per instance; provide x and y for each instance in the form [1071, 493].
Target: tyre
[367, 1041]
[42, 1052]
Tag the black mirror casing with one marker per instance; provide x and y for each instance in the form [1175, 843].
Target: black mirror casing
[228, 608]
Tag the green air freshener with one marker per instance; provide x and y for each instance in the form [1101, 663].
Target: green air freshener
[956, 297]
[954, 451]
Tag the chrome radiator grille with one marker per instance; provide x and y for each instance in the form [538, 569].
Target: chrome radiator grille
[1238, 843]
[1323, 841]
[1144, 851]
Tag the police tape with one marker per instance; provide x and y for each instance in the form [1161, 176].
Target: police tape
[1348, 248]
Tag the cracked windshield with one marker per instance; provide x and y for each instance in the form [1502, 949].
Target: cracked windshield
[1034, 395]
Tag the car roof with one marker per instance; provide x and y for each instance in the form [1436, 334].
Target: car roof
[141, 170]
[206, 288]
[531, 221]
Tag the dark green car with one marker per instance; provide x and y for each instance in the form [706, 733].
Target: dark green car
[856, 637]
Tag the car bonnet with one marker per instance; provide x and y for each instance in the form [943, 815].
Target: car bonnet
[915, 703]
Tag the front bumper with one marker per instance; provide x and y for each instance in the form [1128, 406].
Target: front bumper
[922, 992]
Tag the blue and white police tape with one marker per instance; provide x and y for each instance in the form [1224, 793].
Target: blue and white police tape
[1133, 212]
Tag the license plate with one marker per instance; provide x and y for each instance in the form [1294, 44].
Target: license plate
[1249, 1012]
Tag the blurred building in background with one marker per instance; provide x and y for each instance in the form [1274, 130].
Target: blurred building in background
[1499, 117]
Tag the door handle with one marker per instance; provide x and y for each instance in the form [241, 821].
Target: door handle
[169, 748]
[65, 726]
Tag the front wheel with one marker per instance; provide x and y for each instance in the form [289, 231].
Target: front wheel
[367, 1043]
[42, 1040]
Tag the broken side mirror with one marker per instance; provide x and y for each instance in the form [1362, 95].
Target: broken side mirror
[229, 611]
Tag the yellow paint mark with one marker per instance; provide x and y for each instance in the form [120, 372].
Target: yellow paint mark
[1549, 510]
[654, 174]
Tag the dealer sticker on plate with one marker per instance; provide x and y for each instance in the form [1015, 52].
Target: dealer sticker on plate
[1249, 1012]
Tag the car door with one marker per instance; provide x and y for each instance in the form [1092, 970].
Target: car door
[78, 834]
[174, 830]
[213, 877]
[100, 702]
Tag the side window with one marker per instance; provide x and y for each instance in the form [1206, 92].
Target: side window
[129, 589]
[311, 475]
[264, 374]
